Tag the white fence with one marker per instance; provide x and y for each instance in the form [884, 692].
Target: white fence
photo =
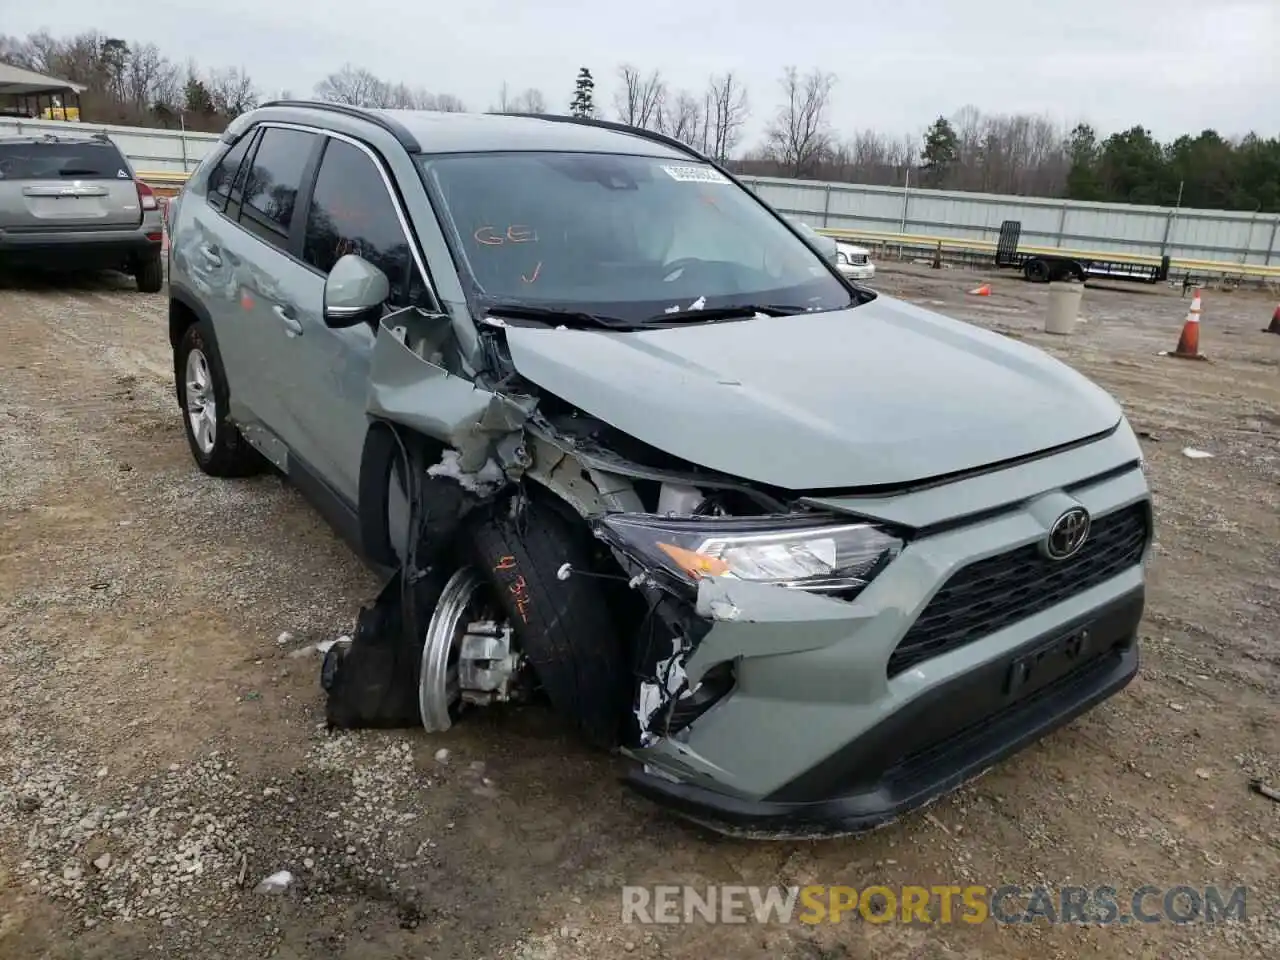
[148, 149]
[1197, 235]
[1219, 235]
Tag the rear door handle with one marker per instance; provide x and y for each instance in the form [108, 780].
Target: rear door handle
[211, 255]
[286, 315]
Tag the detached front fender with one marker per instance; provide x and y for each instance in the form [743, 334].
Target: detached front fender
[442, 430]
[408, 388]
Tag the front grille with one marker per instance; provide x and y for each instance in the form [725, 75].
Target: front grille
[858, 259]
[994, 593]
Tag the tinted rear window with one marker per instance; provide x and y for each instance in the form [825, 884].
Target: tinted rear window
[61, 161]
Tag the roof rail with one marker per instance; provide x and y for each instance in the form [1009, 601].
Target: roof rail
[620, 128]
[393, 127]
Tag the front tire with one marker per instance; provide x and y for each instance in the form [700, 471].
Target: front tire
[216, 444]
[564, 626]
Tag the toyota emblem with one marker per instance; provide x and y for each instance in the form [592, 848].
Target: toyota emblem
[1067, 535]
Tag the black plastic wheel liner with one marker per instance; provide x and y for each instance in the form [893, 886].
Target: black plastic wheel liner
[375, 682]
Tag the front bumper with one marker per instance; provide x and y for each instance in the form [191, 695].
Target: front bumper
[927, 749]
[820, 735]
[858, 271]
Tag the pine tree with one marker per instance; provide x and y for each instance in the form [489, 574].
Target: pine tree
[583, 103]
[941, 151]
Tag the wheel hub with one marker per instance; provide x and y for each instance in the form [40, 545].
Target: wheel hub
[467, 657]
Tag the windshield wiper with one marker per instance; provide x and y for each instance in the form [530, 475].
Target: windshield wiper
[558, 315]
[78, 172]
[736, 312]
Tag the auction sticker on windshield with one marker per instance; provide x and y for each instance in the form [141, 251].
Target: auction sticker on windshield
[695, 174]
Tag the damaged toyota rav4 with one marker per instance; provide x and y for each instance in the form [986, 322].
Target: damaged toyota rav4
[620, 438]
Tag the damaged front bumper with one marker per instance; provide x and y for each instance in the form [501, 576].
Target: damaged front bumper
[894, 756]
[823, 732]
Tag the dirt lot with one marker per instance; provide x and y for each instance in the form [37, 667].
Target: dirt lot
[159, 744]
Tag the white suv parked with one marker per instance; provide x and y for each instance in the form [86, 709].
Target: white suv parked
[854, 261]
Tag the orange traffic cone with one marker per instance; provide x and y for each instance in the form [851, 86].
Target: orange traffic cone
[1275, 323]
[982, 291]
[1189, 343]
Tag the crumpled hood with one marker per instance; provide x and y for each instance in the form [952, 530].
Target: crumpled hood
[884, 393]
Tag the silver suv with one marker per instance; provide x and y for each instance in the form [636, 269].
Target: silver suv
[75, 203]
[621, 438]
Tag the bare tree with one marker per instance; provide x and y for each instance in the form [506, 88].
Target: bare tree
[640, 102]
[1013, 154]
[444, 103]
[504, 100]
[82, 58]
[400, 96]
[150, 79]
[355, 86]
[902, 157]
[231, 91]
[681, 117]
[530, 101]
[166, 90]
[725, 114]
[799, 136]
[16, 52]
[360, 88]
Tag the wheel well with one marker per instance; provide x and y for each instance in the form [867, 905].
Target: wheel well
[381, 454]
[181, 316]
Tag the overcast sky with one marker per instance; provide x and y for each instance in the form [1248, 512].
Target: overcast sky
[1172, 65]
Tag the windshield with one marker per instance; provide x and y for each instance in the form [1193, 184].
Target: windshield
[636, 238]
[60, 160]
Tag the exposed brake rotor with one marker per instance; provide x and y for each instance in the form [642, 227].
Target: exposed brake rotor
[467, 656]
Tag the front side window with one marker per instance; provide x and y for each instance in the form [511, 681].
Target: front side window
[631, 237]
[271, 187]
[352, 212]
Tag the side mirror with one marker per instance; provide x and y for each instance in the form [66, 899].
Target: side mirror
[354, 292]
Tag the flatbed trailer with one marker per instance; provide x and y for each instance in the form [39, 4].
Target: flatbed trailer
[1044, 267]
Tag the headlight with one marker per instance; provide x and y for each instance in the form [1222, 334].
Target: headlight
[795, 552]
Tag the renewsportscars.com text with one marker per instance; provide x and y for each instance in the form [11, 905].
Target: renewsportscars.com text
[939, 903]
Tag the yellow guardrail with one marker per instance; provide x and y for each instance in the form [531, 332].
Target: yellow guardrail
[176, 178]
[164, 177]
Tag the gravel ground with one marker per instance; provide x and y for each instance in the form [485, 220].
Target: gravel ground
[162, 752]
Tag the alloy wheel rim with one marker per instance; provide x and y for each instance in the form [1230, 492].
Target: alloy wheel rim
[202, 407]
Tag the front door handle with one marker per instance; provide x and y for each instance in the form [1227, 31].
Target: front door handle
[291, 323]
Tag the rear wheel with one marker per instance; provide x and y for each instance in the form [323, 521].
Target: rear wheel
[149, 272]
[217, 446]
[1037, 271]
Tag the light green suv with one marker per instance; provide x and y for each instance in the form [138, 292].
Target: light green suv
[621, 438]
